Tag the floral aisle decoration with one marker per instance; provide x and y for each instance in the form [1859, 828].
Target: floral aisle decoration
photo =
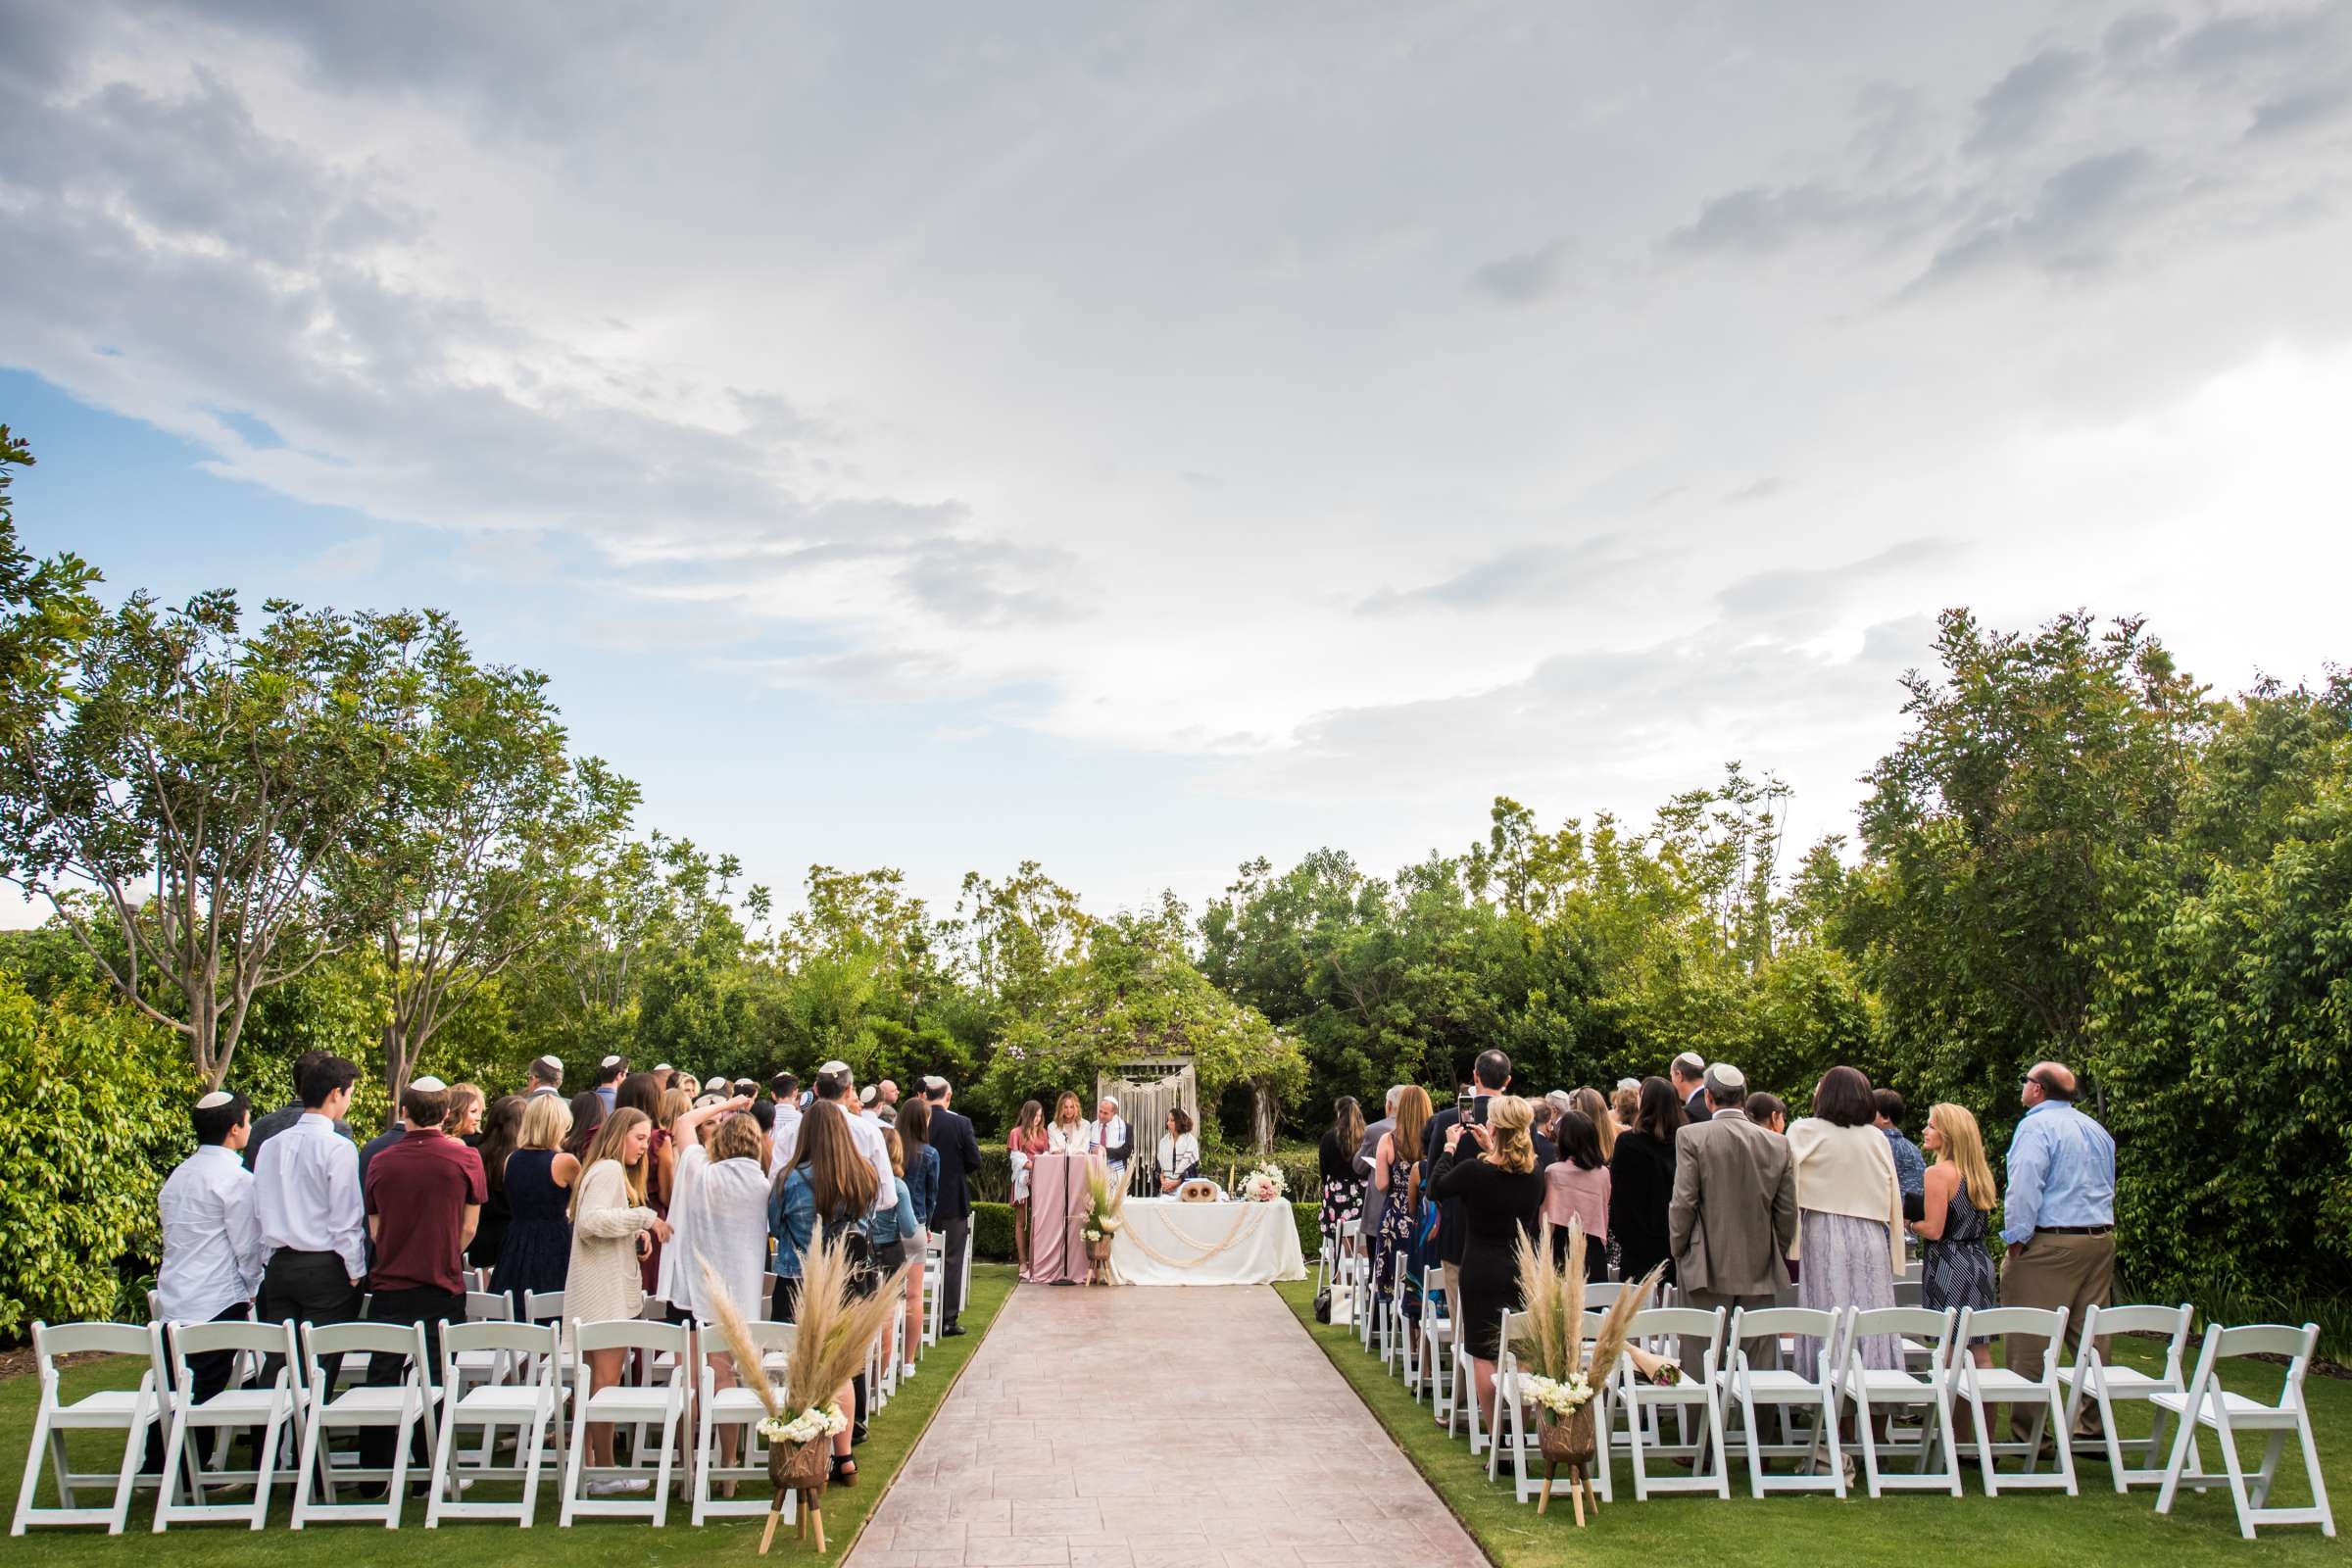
[837, 1329]
[1555, 1374]
[1105, 1200]
[1263, 1185]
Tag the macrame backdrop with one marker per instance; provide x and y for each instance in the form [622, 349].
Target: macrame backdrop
[1147, 1090]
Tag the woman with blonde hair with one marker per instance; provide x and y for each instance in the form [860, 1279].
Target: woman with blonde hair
[1956, 1211]
[1597, 1112]
[1401, 1176]
[1501, 1195]
[612, 1224]
[1068, 1134]
[537, 1177]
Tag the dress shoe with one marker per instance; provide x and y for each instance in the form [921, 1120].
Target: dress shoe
[953, 1331]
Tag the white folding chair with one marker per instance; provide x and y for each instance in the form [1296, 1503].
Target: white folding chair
[2093, 1379]
[1437, 1345]
[1523, 1438]
[656, 1404]
[738, 1407]
[133, 1412]
[1998, 1386]
[963, 1281]
[1787, 1391]
[525, 1399]
[935, 1285]
[403, 1406]
[1877, 1390]
[2228, 1413]
[274, 1411]
[1694, 1397]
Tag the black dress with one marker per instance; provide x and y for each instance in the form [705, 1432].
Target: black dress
[490, 1229]
[1343, 1188]
[1495, 1206]
[1640, 1188]
[537, 1253]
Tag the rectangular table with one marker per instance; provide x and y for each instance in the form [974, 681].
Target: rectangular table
[1167, 1242]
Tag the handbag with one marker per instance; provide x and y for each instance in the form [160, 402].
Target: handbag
[1323, 1304]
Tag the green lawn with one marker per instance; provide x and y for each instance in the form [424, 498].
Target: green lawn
[586, 1545]
[2016, 1528]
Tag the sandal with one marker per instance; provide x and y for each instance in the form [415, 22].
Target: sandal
[845, 1470]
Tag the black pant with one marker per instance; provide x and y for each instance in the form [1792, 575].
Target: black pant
[308, 1287]
[951, 1235]
[432, 1309]
[208, 1372]
[1596, 1254]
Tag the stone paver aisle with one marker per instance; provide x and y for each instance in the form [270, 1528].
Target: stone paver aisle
[1156, 1428]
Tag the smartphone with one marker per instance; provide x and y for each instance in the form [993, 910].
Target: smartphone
[1465, 1108]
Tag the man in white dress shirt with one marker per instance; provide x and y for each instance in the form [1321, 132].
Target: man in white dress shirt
[307, 1194]
[785, 1131]
[212, 1243]
[1108, 1136]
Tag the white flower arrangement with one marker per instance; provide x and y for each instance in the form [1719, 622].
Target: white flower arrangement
[1562, 1396]
[818, 1421]
[1263, 1185]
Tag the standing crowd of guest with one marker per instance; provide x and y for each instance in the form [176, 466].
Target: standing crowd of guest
[621, 1195]
[1741, 1204]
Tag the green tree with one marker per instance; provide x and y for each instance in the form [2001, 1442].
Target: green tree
[206, 782]
[486, 837]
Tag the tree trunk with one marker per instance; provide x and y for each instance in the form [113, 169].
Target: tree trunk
[1262, 1108]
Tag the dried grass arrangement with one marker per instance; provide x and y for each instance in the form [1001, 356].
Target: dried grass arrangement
[836, 1332]
[1557, 1373]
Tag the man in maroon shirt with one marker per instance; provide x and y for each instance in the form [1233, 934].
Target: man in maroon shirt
[424, 1196]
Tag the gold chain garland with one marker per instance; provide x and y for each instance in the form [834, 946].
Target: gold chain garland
[1241, 1221]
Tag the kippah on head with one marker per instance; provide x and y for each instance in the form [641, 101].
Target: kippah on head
[866, 1095]
[429, 1083]
[1723, 1075]
[1691, 1062]
[548, 1064]
[839, 1069]
[664, 1066]
[609, 1061]
[215, 1100]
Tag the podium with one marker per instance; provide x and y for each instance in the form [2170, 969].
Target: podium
[1057, 1203]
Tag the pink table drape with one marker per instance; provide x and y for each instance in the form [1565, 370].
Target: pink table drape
[1057, 1203]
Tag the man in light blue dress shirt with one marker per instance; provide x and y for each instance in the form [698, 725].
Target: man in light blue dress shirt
[2058, 1221]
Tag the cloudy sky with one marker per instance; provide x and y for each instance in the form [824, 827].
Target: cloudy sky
[1144, 437]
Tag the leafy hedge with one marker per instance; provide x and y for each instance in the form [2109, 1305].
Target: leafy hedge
[93, 1115]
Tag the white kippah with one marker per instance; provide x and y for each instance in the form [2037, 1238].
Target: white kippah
[429, 1083]
[215, 1100]
[866, 1095]
[549, 1063]
[664, 1066]
[609, 1061]
[1723, 1075]
[839, 1069]
[1692, 1060]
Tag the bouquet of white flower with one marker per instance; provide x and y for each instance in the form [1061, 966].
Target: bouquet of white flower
[1562, 1397]
[1264, 1185]
[818, 1421]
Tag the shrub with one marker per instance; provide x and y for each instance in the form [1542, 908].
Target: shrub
[93, 1115]
[991, 1232]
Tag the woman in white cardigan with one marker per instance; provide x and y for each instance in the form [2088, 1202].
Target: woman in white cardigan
[1068, 1134]
[610, 1222]
[1849, 1212]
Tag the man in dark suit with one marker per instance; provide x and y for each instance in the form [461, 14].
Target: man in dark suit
[1489, 1076]
[1689, 1074]
[951, 1209]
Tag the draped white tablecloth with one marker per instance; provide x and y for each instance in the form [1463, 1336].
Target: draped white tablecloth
[1167, 1242]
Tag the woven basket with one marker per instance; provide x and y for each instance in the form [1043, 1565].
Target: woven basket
[1568, 1439]
[799, 1466]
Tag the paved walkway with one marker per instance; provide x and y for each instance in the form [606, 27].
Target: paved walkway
[1156, 1428]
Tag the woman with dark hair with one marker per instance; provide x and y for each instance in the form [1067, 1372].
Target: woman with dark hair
[1767, 1111]
[1024, 1142]
[1179, 1151]
[493, 1144]
[1335, 1159]
[1849, 1212]
[1576, 1186]
[1642, 1182]
[587, 1115]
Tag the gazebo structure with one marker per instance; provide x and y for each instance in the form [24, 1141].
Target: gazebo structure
[1147, 1089]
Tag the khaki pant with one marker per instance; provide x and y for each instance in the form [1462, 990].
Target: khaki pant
[2076, 1272]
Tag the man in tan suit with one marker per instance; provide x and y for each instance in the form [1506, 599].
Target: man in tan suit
[1734, 1213]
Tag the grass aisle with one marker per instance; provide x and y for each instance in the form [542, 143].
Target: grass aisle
[590, 1544]
[2016, 1528]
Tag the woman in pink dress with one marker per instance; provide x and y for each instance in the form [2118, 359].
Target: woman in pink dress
[1025, 1143]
